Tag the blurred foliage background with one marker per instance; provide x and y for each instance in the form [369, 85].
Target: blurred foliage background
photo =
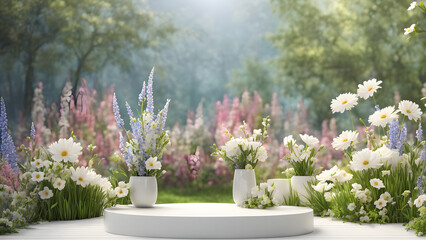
[205, 49]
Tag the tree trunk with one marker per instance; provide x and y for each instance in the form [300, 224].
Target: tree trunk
[29, 91]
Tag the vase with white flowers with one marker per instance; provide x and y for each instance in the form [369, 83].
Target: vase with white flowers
[242, 154]
[143, 146]
[302, 159]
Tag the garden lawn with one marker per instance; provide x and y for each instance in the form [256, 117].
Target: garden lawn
[193, 195]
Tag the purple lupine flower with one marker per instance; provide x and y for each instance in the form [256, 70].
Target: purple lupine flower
[141, 168]
[419, 132]
[7, 148]
[150, 98]
[165, 110]
[117, 115]
[419, 186]
[122, 143]
[377, 108]
[33, 131]
[401, 140]
[129, 111]
[422, 155]
[142, 94]
[393, 134]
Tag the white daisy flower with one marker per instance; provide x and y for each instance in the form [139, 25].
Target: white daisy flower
[323, 187]
[46, 193]
[328, 175]
[289, 139]
[121, 192]
[343, 176]
[389, 157]
[383, 212]
[368, 88]
[383, 117]
[37, 176]
[365, 159]
[311, 141]
[380, 203]
[343, 102]
[412, 6]
[65, 149]
[344, 140]
[262, 154]
[59, 184]
[153, 164]
[249, 167]
[406, 193]
[386, 197]
[80, 176]
[351, 206]
[420, 200]
[410, 29]
[377, 183]
[410, 109]
[38, 163]
[385, 172]
[364, 219]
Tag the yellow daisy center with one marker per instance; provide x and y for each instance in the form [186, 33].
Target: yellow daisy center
[46, 193]
[121, 191]
[151, 164]
[345, 140]
[59, 183]
[408, 111]
[344, 174]
[37, 163]
[366, 162]
[370, 89]
[376, 183]
[383, 116]
[344, 102]
[64, 153]
[380, 203]
[80, 179]
[38, 176]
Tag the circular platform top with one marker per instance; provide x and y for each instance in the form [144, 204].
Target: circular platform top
[206, 210]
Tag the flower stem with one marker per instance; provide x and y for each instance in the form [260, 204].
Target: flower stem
[402, 125]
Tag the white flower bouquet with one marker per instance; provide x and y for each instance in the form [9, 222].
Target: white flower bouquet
[262, 196]
[303, 158]
[244, 152]
[383, 181]
[64, 190]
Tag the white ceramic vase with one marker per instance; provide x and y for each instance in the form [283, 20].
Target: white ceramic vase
[244, 181]
[282, 188]
[299, 184]
[143, 191]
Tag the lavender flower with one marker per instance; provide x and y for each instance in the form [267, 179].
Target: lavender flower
[7, 147]
[142, 94]
[419, 186]
[165, 110]
[419, 132]
[117, 115]
[393, 134]
[129, 111]
[33, 131]
[401, 139]
[150, 98]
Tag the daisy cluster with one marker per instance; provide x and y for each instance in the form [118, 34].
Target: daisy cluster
[414, 29]
[244, 152]
[52, 170]
[302, 158]
[383, 181]
[262, 196]
[143, 146]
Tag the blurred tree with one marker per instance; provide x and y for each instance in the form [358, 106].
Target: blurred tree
[26, 26]
[101, 32]
[328, 47]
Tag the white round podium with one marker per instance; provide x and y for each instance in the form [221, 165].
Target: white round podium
[208, 220]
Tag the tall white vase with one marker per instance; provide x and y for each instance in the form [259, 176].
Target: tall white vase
[299, 184]
[143, 191]
[244, 181]
[282, 188]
